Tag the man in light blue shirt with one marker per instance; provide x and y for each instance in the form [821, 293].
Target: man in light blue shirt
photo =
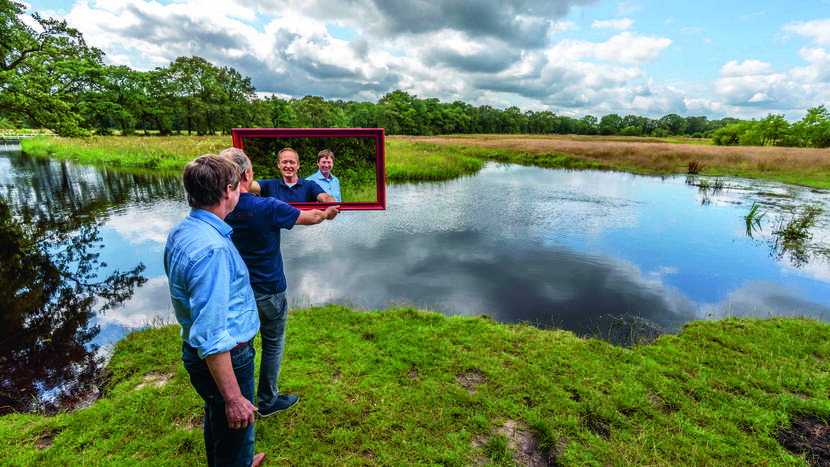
[324, 177]
[214, 303]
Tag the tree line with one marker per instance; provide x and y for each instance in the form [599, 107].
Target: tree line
[50, 78]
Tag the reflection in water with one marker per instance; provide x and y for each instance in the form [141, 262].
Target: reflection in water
[614, 255]
[55, 283]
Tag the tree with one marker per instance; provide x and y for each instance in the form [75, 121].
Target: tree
[316, 112]
[43, 67]
[773, 128]
[673, 123]
[610, 124]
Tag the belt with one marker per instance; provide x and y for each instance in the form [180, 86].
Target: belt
[241, 344]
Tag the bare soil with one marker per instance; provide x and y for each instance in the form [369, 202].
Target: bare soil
[810, 437]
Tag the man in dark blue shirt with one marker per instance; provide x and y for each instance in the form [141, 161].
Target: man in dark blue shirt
[291, 188]
[256, 224]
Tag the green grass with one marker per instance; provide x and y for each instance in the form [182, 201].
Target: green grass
[421, 161]
[170, 153]
[407, 387]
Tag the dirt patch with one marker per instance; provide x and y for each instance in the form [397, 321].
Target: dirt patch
[810, 437]
[471, 380]
[191, 423]
[155, 379]
[45, 440]
[522, 445]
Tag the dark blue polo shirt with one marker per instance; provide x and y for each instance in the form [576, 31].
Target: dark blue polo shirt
[304, 191]
[256, 224]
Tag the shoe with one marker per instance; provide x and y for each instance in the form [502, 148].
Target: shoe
[284, 402]
[259, 458]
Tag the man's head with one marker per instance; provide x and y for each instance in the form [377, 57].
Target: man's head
[246, 170]
[211, 180]
[289, 164]
[325, 162]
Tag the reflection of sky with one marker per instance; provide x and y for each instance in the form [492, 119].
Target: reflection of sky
[551, 247]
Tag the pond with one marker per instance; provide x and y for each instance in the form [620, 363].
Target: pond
[599, 253]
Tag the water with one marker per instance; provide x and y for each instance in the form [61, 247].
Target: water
[582, 251]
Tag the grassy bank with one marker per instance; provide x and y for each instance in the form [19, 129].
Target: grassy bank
[410, 158]
[406, 387]
[802, 166]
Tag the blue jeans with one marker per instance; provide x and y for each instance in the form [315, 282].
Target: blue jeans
[273, 314]
[224, 445]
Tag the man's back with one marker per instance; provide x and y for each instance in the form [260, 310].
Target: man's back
[256, 224]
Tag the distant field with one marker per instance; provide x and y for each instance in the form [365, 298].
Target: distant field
[805, 166]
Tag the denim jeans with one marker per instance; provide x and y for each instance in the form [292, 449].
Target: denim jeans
[273, 314]
[224, 445]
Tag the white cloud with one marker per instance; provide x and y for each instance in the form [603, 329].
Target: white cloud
[746, 68]
[631, 48]
[622, 23]
[818, 30]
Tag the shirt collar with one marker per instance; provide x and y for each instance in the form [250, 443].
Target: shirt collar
[281, 181]
[211, 219]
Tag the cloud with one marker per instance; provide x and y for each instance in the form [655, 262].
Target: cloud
[753, 84]
[818, 30]
[622, 23]
[631, 48]
[521, 23]
[746, 68]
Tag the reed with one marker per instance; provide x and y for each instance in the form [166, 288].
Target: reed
[753, 219]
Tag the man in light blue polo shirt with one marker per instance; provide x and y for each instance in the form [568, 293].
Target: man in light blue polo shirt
[215, 305]
[324, 177]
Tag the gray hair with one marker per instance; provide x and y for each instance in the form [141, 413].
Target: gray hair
[239, 157]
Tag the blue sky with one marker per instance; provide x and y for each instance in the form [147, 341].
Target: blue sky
[573, 57]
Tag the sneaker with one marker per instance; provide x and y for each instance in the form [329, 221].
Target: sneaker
[284, 402]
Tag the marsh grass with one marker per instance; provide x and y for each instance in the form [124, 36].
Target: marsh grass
[169, 153]
[753, 218]
[407, 387]
[803, 166]
[797, 229]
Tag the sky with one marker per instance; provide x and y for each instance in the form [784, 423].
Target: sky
[743, 59]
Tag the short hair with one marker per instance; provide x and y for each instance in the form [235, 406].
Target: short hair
[325, 153]
[286, 150]
[238, 156]
[206, 177]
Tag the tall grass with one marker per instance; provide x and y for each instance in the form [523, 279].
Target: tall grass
[161, 153]
[803, 166]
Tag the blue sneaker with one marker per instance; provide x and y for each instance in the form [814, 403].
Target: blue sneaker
[284, 402]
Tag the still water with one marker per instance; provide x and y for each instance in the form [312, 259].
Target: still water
[578, 250]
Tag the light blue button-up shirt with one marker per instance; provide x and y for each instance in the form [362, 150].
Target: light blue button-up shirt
[330, 185]
[209, 285]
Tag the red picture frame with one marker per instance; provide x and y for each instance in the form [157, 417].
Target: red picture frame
[263, 142]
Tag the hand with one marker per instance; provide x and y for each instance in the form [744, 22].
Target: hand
[331, 212]
[240, 413]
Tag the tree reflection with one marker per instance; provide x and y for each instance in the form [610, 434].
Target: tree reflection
[53, 286]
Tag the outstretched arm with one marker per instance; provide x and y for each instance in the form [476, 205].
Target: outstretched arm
[315, 216]
[326, 198]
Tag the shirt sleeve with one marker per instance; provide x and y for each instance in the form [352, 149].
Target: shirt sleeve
[265, 188]
[285, 215]
[208, 286]
[315, 189]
